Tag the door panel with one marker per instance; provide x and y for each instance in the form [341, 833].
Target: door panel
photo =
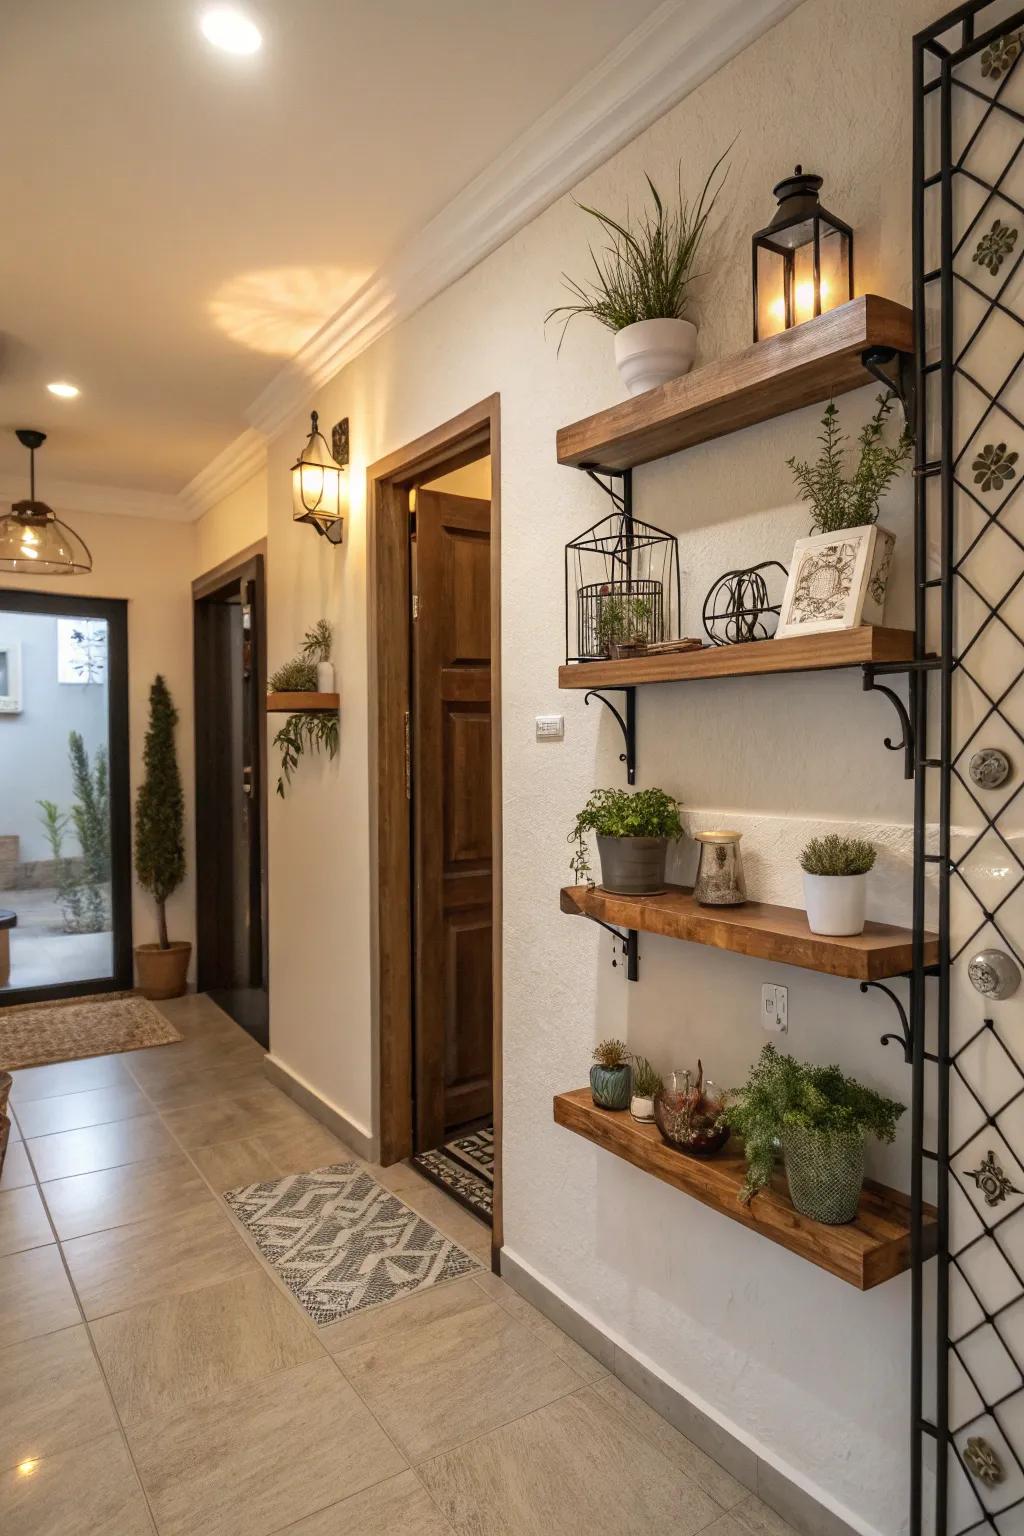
[452, 814]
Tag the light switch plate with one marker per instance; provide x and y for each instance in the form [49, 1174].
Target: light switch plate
[550, 727]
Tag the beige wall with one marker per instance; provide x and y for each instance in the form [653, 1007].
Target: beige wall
[232, 525]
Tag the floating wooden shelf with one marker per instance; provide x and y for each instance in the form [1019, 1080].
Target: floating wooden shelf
[797, 653]
[864, 1253]
[306, 703]
[809, 363]
[757, 929]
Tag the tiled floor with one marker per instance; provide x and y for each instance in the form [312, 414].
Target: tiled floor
[156, 1377]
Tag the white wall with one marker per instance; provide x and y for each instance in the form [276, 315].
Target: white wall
[232, 525]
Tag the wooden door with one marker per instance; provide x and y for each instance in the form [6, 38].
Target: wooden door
[451, 775]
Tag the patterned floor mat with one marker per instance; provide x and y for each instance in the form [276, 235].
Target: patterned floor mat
[464, 1167]
[341, 1242]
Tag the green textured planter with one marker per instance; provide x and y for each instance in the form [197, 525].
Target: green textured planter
[611, 1086]
[825, 1170]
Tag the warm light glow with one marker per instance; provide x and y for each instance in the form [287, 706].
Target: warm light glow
[803, 303]
[316, 488]
[63, 390]
[227, 28]
[278, 309]
[26, 1468]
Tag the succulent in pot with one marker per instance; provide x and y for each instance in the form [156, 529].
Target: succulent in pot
[689, 1112]
[647, 1081]
[822, 1119]
[835, 883]
[633, 831]
[610, 1076]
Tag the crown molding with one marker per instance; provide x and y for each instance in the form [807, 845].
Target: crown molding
[67, 497]
[243, 457]
[670, 54]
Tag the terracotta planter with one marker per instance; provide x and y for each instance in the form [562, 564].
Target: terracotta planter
[162, 972]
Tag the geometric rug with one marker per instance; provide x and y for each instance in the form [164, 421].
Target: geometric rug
[37, 1034]
[341, 1242]
[465, 1168]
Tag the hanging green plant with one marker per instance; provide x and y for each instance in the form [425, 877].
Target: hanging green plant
[308, 731]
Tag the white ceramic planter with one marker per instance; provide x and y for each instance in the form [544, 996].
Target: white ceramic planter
[642, 1109]
[325, 677]
[878, 580]
[653, 351]
[835, 903]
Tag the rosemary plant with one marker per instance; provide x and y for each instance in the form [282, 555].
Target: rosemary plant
[835, 855]
[840, 500]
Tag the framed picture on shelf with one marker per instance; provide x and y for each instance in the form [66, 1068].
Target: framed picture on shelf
[828, 582]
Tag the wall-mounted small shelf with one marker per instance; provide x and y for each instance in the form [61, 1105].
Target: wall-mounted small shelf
[802, 366]
[303, 703]
[874, 1248]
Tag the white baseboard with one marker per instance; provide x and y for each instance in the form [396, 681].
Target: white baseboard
[358, 1137]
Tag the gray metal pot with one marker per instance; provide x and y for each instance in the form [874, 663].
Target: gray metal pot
[633, 866]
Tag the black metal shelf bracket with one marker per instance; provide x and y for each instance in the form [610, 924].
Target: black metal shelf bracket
[629, 939]
[902, 382]
[905, 1038]
[906, 742]
[627, 724]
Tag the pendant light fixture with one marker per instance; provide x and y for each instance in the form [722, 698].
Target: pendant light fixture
[33, 540]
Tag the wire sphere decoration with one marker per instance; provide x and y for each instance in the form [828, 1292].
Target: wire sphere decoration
[738, 609]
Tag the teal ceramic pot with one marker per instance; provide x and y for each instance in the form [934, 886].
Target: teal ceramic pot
[611, 1086]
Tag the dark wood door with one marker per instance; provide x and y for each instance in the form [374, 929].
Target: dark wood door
[451, 773]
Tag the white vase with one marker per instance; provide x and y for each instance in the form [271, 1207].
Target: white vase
[325, 677]
[835, 903]
[651, 352]
[642, 1109]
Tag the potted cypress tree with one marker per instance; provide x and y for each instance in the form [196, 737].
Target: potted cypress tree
[160, 846]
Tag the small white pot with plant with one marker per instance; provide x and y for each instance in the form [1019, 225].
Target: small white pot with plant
[835, 883]
[647, 1081]
[842, 501]
[641, 287]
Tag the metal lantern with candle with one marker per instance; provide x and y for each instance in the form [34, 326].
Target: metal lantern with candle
[318, 481]
[803, 261]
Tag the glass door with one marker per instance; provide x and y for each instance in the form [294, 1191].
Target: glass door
[65, 838]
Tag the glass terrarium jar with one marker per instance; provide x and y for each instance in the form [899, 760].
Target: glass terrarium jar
[688, 1112]
[720, 881]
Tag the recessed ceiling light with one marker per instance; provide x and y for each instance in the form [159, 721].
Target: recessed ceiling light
[64, 390]
[229, 29]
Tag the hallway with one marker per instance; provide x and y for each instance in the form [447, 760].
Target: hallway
[155, 1376]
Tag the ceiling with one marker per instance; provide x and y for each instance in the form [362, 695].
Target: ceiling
[178, 221]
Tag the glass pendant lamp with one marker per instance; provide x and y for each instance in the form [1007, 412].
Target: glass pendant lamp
[33, 540]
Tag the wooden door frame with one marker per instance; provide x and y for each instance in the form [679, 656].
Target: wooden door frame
[469, 436]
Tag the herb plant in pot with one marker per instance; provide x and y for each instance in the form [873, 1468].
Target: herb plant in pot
[835, 883]
[624, 626]
[610, 1076]
[160, 847]
[641, 285]
[633, 833]
[647, 1081]
[822, 1120]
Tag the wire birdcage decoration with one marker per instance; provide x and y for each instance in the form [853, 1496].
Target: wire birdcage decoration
[620, 575]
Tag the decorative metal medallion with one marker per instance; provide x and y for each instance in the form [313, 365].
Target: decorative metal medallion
[1000, 56]
[994, 974]
[994, 246]
[981, 1460]
[993, 467]
[989, 768]
[992, 1181]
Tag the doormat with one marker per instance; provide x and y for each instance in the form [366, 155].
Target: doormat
[464, 1169]
[39, 1034]
[341, 1242]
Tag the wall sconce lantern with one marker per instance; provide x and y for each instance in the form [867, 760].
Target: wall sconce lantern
[319, 484]
[803, 261]
[33, 540]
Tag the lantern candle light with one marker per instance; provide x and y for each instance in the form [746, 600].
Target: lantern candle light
[318, 482]
[803, 260]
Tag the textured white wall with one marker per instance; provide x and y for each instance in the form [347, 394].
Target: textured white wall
[811, 1371]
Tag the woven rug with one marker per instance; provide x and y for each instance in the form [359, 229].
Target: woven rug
[42, 1033]
[341, 1242]
[464, 1168]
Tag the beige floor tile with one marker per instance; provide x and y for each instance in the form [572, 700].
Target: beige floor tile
[70, 1111]
[35, 1296]
[586, 1367]
[23, 1222]
[725, 1525]
[115, 1197]
[233, 1116]
[195, 1085]
[756, 1519]
[574, 1465]
[14, 1133]
[397, 1320]
[233, 1164]
[52, 1397]
[89, 1491]
[17, 1171]
[127, 1266]
[400, 1178]
[67, 1077]
[304, 1145]
[186, 1348]
[458, 1373]
[251, 1460]
[160, 1063]
[401, 1504]
[99, 1146]
[682, 1453]
[450, 1218]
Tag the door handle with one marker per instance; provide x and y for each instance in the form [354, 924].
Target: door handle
[247, 781]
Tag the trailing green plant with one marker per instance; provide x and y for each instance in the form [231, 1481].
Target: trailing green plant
[621, 620]
[611, 1053]
[159, 808]
[306, 731]
[835, 855]
[645, 270]
[781, 1091]
[840, 500]
[647, 1080]
[318, 641]
[617, 813]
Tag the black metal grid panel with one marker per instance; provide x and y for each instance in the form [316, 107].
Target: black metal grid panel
[967, 1368]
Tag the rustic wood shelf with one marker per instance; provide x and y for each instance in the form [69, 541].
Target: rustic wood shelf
[804, 365]
[868, 1251]
[865, 646]
[305, 703]
[756, 928]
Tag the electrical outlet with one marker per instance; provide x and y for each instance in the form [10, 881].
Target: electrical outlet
[775, 1009]
[550, 727]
